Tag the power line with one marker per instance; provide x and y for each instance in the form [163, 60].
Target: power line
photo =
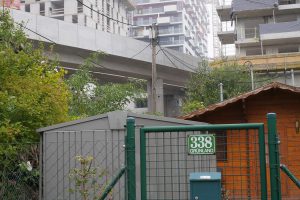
[35, 32]
[168, 57]
[102, 14]
[182, 61]
[140, 51]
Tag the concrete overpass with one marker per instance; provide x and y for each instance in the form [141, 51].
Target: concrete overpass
[74, 43]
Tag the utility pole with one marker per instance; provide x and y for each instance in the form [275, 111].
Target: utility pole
[221, 92]
[250, 67]
[153, 37]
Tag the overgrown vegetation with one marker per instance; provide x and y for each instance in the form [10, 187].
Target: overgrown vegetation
[32, 91]
[35, 93]
[88, 179]
[91, 98]
[203, 88]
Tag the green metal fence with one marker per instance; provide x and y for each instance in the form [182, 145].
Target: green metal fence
[19, 171]
[239, 156]
[284, 155]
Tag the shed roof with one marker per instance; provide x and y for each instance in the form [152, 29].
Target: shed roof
[242, 96]
[117, 120]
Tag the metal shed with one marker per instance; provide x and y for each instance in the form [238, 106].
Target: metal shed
[100, 136]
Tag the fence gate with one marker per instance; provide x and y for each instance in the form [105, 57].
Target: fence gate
[169, 154]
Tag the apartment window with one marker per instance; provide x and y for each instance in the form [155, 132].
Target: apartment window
[254, 51]
[288, 49]
[42, 8]
[98, 17]
[108, 9]
[96, 3]
[75, 19]
[27, 7]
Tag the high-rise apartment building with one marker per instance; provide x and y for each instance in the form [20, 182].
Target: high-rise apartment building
[96, 14]
[183, 24]
[262, 26]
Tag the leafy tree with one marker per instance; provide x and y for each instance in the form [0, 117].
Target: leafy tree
[91, 98]
[32, 92]
[203, 88]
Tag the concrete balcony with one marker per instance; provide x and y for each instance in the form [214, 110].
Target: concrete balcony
[247, 37]
[170, 9]
[227, 37]
[289, 6]
[224, 12]
[280, 33]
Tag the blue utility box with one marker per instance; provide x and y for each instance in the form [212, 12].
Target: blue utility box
[205, 186]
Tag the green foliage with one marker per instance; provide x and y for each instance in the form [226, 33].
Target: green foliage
[90, 98]
[191, 106]
[32, 92]
[204, 84]
[87, 179]
[19, 174]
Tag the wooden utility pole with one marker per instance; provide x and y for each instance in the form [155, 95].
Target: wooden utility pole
[153, 35]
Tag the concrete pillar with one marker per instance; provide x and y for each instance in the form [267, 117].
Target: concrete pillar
[70, 7]
[172, 105]
[47, 8]
[35, 8]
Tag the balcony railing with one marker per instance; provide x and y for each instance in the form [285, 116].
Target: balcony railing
[149, 11]
[168, 31]
[287, 2]
[171, 42]
[247, 33]
[57, 11]
[79, 9]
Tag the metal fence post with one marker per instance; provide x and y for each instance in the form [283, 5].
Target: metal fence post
[274, 161]
[262, 158]
[130, 159]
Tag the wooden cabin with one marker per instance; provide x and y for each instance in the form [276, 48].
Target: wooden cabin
[252, 107]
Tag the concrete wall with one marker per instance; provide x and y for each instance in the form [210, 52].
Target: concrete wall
[74, 35]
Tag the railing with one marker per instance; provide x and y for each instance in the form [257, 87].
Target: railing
[290, 175]
[247, 33]
[174, 42]
[149, 11]
[80, 9]
[57, 11]
[287, 2]
[167, 31]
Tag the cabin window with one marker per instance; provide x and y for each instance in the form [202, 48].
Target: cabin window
[221, 146]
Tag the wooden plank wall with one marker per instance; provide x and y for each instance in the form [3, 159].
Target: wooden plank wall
[286, 105]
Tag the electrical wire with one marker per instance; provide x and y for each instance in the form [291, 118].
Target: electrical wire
[140, 51]
[108, 17]
[188, 65]
[168, 57]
